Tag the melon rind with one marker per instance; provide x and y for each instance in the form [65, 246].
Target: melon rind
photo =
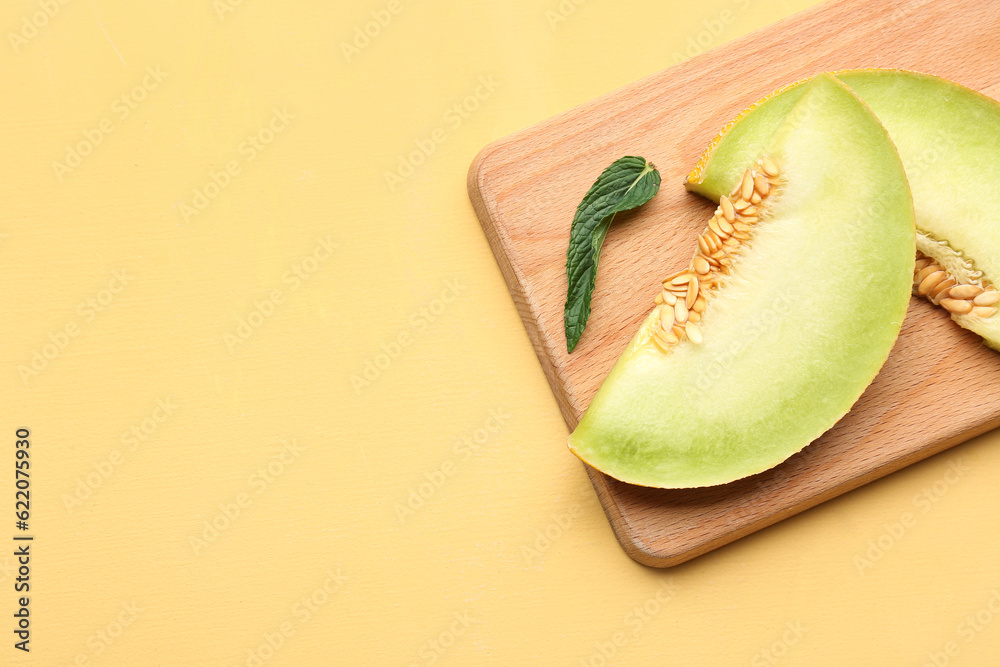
[797, 332]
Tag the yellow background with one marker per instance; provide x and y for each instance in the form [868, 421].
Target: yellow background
[509, 559]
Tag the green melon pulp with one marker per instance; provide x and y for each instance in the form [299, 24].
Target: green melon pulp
[949, 140]
[794, 335]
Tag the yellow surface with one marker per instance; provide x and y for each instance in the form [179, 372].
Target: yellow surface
[296, 355]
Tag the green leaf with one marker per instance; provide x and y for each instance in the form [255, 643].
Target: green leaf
[628, 183]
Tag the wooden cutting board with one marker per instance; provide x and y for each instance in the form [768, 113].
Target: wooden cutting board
[940, 386]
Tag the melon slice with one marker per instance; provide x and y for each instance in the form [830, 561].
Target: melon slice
[949, 140]
[787, 311]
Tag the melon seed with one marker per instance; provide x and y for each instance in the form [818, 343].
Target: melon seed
[692, 293]
[940, 290]
[681, 311]
[965, 292]
[727, 208]
[984, 311]
[924, 272]
[713, 224]
[957, 306]
[768, 165]
[930, 281]
[666, 318]
[746, 188]
[694, 333]
[682, 279]
[987, 298]
[685, 294]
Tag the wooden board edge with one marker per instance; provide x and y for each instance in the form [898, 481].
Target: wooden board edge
[515, 284]
[502, 251]
[643, 554]
[626, 535]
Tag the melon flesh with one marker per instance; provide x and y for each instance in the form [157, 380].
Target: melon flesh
[796, 332]
[949, 140]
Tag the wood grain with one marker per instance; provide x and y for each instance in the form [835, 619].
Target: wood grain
[525, 189]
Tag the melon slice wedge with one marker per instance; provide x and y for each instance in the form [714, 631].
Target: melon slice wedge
[949, 140]
[793, 323]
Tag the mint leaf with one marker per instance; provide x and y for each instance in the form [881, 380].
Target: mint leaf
[628, 183]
